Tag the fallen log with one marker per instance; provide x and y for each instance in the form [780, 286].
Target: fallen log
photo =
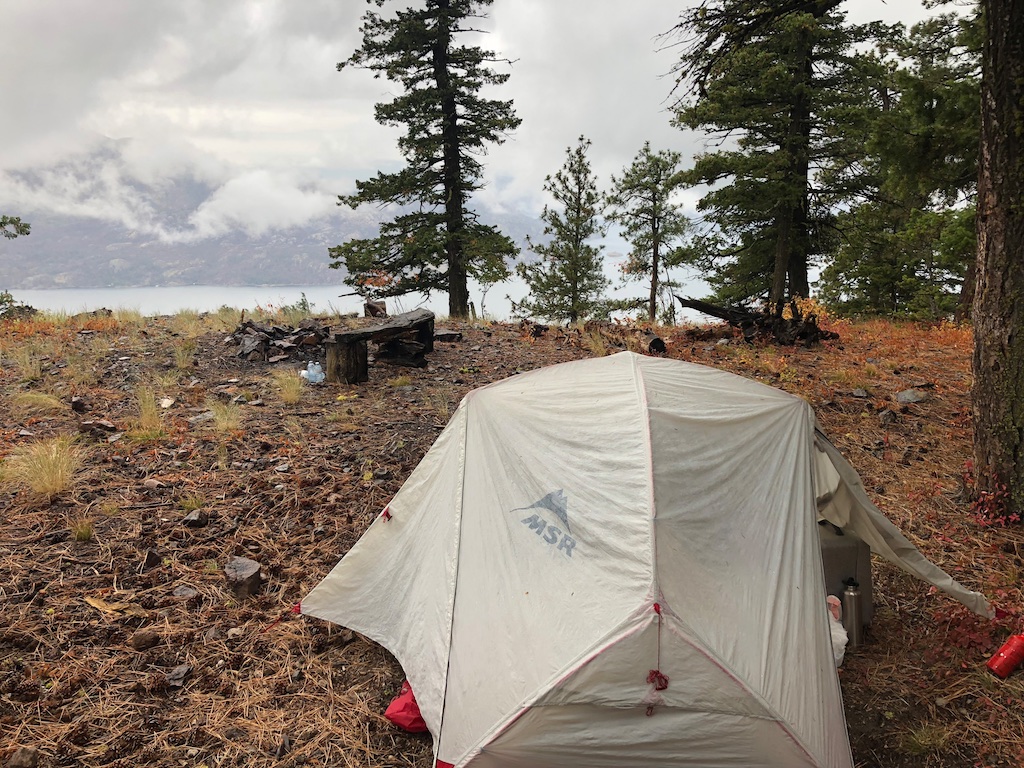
[759, 324]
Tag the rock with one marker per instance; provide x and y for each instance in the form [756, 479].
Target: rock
[176, 677]
[197, 518]
[235, 633]
[144, 639]
[97, 427]
[908, 396]
[24, 757]
[183, 590]
[78, 404]
[152, 484]
[887, 417]
[166, 402]
[243, 576]
[859, 392]
[151, 560]
[443, 334]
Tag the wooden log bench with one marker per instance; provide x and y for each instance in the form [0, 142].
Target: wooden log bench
[403, 340]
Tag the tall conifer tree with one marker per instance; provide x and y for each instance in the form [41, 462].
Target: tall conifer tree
[641, 201]
[763, 79]
[435, 241]
[568, 282]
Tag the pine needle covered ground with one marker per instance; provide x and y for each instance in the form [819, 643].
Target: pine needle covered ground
[121, 644]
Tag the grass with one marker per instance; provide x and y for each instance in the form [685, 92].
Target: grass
[227, 417]
[926, 739]
[129, 317]
[288, 384]
[188, 323]
[81, 529]
[28, 363]
[400, 381]
[185, 355]
[36, 403]
[192, 502]
[46, 468]
[149, 425]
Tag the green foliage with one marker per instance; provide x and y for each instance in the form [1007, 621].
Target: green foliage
[909, 234]
[13, 226]
[641, 201]
[771, 84]
[568, 283]
[434, 242]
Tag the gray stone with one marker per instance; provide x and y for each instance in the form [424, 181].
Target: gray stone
[24, 757]
[243, 576]
[908, 396]
[197, 518]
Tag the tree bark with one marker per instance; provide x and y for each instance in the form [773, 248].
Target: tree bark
[998, 393]
[454, 205]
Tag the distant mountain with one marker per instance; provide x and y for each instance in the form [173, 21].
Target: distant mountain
[92, 248]
[77, 252]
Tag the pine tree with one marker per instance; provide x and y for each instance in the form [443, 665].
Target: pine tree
[907, 234]
[764, 79]
[568, 282]
[641, 201]
[435, 241]
[13, 226]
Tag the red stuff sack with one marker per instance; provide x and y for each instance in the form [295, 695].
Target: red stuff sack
[404, 712]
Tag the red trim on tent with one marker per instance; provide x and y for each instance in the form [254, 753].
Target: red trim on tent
[443, 764]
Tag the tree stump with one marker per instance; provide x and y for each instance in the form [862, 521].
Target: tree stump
[347, 362]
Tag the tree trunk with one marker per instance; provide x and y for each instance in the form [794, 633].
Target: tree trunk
[998, 393]
[966, 302]
[792, 247]
[455, 218]
[652, 305]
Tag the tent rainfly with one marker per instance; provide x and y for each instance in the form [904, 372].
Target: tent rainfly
[615, 562]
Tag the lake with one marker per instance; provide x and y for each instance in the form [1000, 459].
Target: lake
[166, 300]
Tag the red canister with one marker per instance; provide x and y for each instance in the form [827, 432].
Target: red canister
[1008, 657]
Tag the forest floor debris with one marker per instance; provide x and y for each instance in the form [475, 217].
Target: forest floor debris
[122, 643]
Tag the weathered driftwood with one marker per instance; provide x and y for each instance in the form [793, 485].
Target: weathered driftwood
[347, 354]
[756, 323]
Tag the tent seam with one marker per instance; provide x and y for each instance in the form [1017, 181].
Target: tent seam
[641, 387]
[458, 565]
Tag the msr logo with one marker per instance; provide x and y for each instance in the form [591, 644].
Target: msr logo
[556, 504]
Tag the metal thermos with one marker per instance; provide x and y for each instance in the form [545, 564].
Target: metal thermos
[853, 614]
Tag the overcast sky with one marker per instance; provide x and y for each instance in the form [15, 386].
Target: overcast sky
[244, 95]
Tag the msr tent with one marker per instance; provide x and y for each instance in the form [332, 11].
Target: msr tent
[615, 562]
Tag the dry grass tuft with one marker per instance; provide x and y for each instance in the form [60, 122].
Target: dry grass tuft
[45, 468]
[149, 425]
[37, 403]
[288, 384]
[185, 355]
[227, 416]
[28, 363]
[81, 529]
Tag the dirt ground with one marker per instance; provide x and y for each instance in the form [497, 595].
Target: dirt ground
[122, 645]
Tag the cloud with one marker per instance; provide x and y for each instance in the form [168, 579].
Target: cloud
[111, 103]
[257, 202]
